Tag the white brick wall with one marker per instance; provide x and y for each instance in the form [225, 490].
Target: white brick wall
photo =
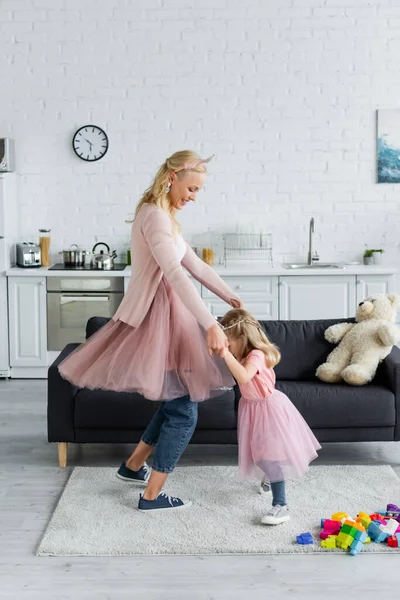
[284, 92]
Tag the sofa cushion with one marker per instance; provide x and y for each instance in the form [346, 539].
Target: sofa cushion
[99, 409]
[333, 405]
[94, 324]
[302, 345]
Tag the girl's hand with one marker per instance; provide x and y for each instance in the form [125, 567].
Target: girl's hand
[236, 303]
[216, 340]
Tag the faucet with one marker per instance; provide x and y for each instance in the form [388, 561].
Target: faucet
[310, 243]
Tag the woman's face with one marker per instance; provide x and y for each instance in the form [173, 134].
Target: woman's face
[184, 188]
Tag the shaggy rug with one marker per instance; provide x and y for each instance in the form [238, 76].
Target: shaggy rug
[96, 514]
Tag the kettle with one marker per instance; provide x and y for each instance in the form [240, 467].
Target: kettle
[103, 261]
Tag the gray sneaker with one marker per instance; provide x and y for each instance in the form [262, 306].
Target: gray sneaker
[276, 515]
[265, 488]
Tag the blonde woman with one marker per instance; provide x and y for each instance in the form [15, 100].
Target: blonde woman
[162, 342]
[274, 440]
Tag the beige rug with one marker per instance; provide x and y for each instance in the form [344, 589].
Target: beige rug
[97, 516]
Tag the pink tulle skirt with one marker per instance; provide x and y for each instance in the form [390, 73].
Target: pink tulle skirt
[166, 357]
[273, 434]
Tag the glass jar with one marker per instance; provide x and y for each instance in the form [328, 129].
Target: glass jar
[44, 243]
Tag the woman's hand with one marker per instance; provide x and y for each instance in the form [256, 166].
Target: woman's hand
[236, 303]
[216, 340]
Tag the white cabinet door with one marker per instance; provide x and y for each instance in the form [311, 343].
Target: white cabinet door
[368, 285]
[28, 327]
[317, 297]
[263, 311]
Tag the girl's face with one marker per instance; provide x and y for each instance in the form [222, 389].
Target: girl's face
[235, 345]
[184, 188]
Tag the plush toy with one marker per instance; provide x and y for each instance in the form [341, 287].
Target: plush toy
[363, 344]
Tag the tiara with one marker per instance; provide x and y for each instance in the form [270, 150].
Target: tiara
[255, 323]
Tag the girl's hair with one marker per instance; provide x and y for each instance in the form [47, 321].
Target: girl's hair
[242, 326]
[179, 163]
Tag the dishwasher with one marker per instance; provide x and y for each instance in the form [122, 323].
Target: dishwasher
[72, 301]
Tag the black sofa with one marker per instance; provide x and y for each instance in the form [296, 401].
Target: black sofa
[335, 412]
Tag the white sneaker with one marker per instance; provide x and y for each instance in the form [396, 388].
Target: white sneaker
[265, 488]
[276, 515]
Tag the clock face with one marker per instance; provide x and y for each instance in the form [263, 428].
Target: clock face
[90, 143]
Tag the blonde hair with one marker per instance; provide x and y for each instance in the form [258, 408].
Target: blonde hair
[180, 163]
[242, 326]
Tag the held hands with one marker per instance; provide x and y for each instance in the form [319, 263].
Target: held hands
[217, 341]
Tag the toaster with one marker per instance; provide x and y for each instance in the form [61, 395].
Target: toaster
[28, 255]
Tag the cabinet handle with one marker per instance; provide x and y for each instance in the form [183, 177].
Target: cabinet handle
[42, 283]
[360, 281]
[239, 287]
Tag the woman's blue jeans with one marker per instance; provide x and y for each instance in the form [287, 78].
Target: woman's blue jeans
[170, 431]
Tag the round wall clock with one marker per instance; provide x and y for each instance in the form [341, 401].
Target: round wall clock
[90, 143]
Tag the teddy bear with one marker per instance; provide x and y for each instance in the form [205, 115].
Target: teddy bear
[363, 344]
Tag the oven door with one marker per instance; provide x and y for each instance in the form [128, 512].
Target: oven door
[68, 313]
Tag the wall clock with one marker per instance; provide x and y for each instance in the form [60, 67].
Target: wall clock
[90, 143]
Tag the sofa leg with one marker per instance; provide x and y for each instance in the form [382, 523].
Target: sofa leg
[62, 454]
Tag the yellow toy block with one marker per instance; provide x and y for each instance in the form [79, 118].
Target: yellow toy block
[339, 516]
[365, 522]
[368, 540]
[330, 542]
[344, 541]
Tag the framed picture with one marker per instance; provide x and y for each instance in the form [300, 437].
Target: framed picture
[388, 131]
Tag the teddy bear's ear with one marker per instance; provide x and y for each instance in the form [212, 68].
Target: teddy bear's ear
[394, 299]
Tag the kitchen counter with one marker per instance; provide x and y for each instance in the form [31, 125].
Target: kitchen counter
[242, 269]
[44, 272]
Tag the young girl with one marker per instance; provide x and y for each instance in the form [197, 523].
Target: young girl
[274, 440]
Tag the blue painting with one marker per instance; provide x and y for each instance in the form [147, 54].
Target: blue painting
[389, 146]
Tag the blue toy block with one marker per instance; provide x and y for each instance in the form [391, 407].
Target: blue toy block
[356, 547]
[305, 539]
[360, 537]
[376, 533]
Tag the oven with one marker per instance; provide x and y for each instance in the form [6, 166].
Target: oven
[71, 301]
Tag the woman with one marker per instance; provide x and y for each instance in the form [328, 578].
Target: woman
[162, 342]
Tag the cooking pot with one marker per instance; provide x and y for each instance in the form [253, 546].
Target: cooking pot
[103, 260]
[74, 257]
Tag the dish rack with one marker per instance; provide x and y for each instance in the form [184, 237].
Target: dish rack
[248, 246]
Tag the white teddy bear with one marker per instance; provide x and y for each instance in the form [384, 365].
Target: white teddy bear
[364, 344]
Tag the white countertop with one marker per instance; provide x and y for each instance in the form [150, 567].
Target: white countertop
[250, 269]
[44, 272]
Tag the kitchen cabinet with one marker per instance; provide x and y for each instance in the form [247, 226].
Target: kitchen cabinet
[317, 297]
[269, 295]
[259, 294]
[368, 285]
[28, 327]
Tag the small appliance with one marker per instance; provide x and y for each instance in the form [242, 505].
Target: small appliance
[28, 255]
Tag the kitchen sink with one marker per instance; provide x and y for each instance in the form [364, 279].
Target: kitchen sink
[313, 266]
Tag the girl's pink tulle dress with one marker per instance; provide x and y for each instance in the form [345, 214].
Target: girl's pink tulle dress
[166, 357]
[271, 431]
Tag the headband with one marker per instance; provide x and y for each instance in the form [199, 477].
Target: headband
[195, 163]
[254, 323]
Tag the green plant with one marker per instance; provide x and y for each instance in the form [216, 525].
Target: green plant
[368, 253]
[379, 250]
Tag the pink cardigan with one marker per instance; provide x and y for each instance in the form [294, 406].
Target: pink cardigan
[154, 255]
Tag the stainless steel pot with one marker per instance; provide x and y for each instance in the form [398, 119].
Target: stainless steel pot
[74, 257]
[103, 261]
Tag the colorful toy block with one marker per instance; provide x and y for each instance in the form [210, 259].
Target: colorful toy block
[391, 527]
[375, 532]
[344, 540]
[394, 541]
[339, 516]
[305, 538]
[330, 542]
[356, 547]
